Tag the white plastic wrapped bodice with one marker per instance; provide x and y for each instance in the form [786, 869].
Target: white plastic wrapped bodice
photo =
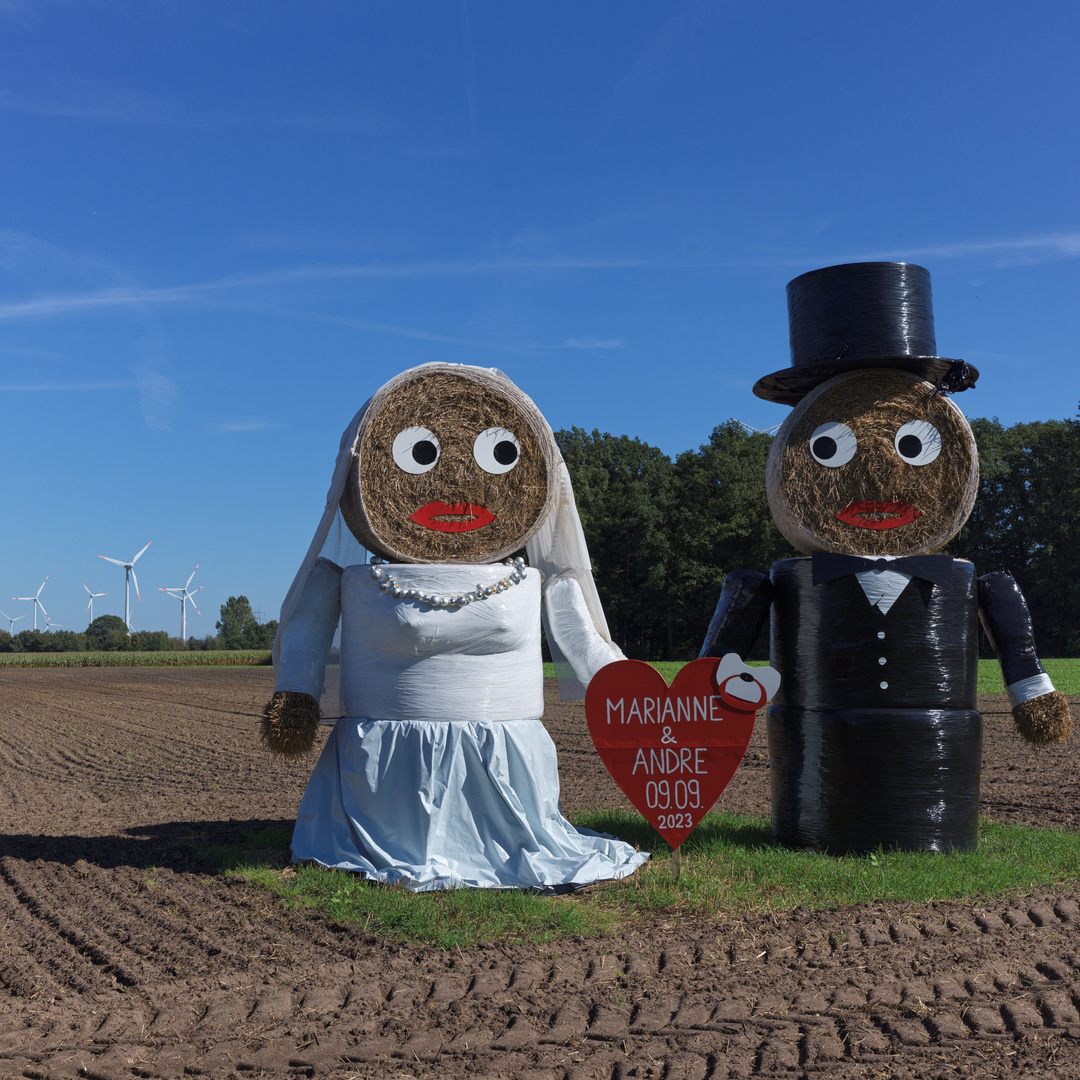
[403, 660]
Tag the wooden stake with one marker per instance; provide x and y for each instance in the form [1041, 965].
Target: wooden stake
[676, 862]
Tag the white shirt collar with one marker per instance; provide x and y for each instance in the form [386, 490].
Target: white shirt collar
[882, 587]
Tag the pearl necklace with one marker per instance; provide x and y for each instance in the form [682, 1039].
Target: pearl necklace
[388, 585]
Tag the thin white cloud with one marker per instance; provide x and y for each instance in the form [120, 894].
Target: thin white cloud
[84, 100]
[1021, 251]
[249, 290]
[393, 331]
[592, 343]
[130, 296]
[31, 260]
[1024, 250]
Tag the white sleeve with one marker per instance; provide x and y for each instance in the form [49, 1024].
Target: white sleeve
[303, 645]
[1026, 689]
[570, 624]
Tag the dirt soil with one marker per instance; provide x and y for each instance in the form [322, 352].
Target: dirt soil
[121, 956]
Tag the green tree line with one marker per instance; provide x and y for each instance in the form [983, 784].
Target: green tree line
[664, 532]
[236, 629]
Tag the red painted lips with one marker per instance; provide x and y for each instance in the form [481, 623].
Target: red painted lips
[867, 514]
[452, 517]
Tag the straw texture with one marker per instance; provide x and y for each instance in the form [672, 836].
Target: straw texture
[1045, 719]
[455, 405]
[289, 723]
[805, 496]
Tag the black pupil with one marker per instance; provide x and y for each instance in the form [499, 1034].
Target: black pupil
[910, 446]
[424, 452]
[746, 678]
[505, 452]
[824, 447]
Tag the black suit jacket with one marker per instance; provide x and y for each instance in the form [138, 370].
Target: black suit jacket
[825, 638]
[833, 649]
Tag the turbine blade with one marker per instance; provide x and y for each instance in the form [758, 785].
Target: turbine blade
[131, 570]
[136, 559]
[107, 559]
[193, 604]
[193, 573]
[43, 584]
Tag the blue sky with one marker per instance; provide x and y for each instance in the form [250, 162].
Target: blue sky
[224, 224]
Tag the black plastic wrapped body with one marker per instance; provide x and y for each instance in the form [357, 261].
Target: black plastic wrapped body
[740, 614]
[874, 737]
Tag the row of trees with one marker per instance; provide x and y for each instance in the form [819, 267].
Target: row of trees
[236, 629]
[664, 532]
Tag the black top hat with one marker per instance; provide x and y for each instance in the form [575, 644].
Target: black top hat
[861, 315]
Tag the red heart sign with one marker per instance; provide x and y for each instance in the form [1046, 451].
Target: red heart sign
[673, 751]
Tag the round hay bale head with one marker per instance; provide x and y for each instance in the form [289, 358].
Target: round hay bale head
[452, 464]
[891, 494]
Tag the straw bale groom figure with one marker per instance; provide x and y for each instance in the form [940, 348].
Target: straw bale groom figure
[440, 772]
[874, 738]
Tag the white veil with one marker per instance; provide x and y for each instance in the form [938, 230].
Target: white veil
[557, 550]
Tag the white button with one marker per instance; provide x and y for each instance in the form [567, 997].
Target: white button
[884, 685]
[881, 659]
[881, 635]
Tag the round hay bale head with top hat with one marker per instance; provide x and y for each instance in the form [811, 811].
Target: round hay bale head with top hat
[873, 462]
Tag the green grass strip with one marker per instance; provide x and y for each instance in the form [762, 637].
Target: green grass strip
[179, 658]
[729, 866]
[1065, 674]
[730, 863]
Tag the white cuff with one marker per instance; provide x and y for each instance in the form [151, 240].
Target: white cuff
[1026, 689]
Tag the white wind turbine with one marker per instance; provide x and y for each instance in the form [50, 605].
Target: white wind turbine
[93, 597]
[184, 596]
[50, 625]
[129, 577]
[11, 621]
[37, 603]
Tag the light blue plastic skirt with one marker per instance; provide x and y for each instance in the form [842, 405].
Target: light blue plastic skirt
[435, 805]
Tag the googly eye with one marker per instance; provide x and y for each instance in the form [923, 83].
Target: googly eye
[833, 444]
[918, 442]
[415, 450]
[496, 450]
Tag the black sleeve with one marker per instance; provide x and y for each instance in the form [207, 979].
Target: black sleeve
[740, 614]
[1004, 614]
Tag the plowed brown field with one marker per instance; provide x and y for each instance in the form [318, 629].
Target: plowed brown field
[121, 957]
